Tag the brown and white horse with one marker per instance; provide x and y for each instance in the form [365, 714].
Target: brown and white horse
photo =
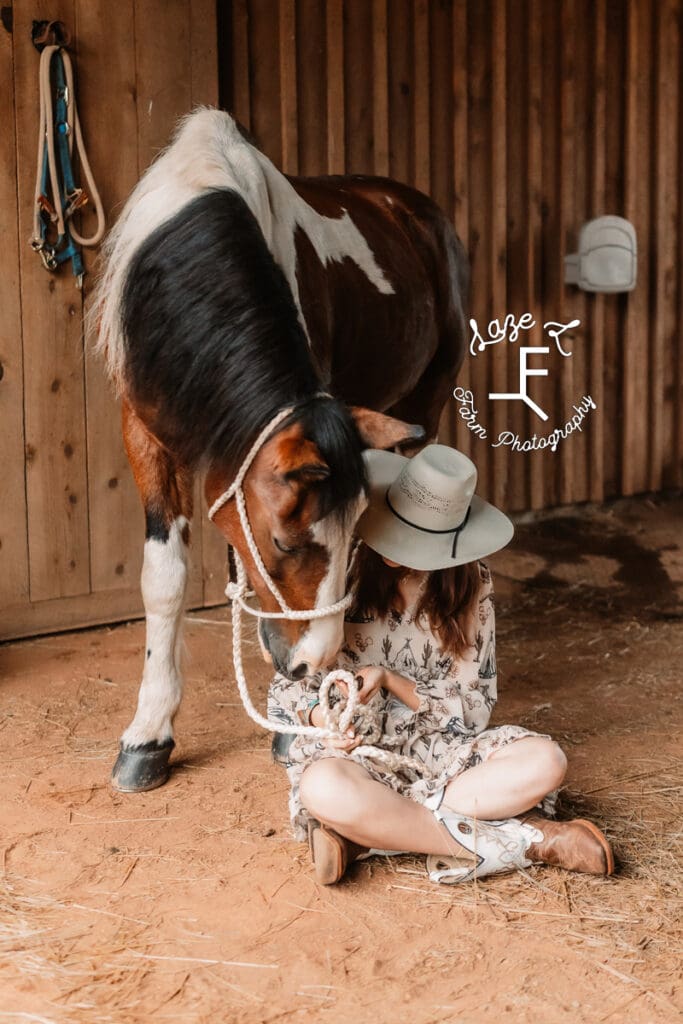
[231, 292]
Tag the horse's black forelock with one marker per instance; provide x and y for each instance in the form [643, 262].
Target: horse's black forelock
[329, 424]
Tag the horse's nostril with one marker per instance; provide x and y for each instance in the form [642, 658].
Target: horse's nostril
[300, 670]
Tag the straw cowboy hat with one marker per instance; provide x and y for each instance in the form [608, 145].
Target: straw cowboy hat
[423, 512]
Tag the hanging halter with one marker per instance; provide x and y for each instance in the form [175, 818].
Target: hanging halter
[57, 197]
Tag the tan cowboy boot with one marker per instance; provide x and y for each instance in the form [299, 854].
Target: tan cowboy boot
[574, 845]
[331, 853]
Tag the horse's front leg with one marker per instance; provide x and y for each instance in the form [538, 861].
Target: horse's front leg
[166, 492]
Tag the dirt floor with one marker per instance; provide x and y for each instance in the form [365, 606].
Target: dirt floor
[193, 903]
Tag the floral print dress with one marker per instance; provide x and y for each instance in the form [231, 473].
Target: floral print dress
[448, 732]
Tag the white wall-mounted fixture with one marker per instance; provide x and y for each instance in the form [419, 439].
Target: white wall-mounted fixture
[607, 260]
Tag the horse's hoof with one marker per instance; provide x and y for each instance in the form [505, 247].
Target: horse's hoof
[141, 768]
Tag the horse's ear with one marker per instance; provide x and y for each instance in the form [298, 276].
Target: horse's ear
[380, 431]
[298, 459]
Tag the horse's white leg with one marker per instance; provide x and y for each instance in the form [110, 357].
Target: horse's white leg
[166, 493]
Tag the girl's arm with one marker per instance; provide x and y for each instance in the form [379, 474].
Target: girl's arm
[402, 688]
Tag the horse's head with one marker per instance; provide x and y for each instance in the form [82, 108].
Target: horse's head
[304, 493]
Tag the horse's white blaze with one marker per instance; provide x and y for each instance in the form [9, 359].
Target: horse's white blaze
[320, 643]
[164, 579]
[209, 152]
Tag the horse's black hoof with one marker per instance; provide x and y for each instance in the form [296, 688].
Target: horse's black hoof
[141, 768]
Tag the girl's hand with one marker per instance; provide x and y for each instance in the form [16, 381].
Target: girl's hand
[346, 743]
[370, 680]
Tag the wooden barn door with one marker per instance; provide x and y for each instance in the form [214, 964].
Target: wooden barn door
[71, 525]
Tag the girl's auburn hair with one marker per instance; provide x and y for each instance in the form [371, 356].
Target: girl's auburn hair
[448, 602]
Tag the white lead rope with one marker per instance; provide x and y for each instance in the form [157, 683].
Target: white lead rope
[238, 592]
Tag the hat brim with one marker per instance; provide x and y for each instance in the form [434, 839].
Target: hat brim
[487, 528]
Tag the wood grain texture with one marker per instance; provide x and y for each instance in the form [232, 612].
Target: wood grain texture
[54, 398]
[421, 125]
[288, 90]
[239, 59]
[116, 526]
[334, 84]
[500, 464]
[665, 323]
[163, 72]
[453, 427]
[522, 118]
[14, 580]
[596, 318]
[380, 88]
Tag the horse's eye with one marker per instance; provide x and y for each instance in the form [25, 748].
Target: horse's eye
[283, 547]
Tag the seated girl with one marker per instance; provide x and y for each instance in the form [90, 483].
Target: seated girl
[420, 640]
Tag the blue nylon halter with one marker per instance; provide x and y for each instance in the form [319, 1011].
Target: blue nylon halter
[53, 254]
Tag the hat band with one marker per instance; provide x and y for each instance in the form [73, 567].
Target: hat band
[425, 529]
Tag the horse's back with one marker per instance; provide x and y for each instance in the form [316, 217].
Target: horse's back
[378, 345]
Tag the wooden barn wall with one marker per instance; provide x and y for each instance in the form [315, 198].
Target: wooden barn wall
[523, 119]
[71, 525]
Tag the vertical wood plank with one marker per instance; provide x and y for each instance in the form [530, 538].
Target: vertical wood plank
[54, 398]
[400, 61]
[13, 539]
[116, 527]
[666, 215]
[163, 73]
[421, 60]
[675, 473]
[546, 389]
[501, 461]
[288, 94]
[634, 441]
[595, 325]
[203, 53]
[358, 88]
[264, 78]
[441, 105]
[312, 100]
[240, 60]
[517, 115]
[480, 219]
[459, 433]
[614, 306]
[567, 236]
[534, 203]
[380, 92]
[334, 45]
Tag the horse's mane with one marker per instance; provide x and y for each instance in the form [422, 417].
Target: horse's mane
[214, 346]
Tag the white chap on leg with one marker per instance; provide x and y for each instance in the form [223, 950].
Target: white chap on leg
[164, 580]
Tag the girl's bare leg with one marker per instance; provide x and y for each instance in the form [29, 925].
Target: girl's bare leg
[513, 779]
[340, 793]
